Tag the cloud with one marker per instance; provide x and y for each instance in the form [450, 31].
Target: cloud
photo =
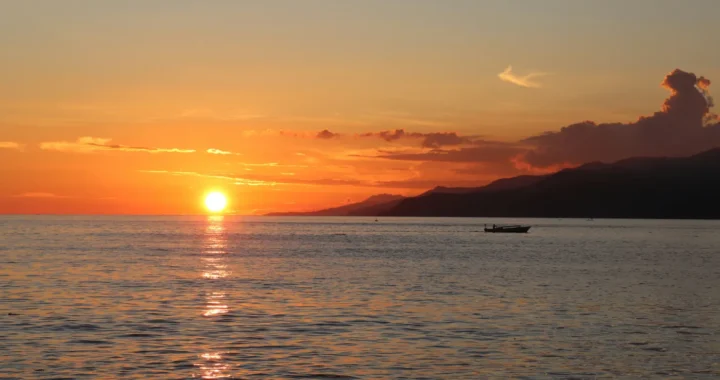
[220, 152]
[287, 178]
[299, 134]
[524, 81]
[263, 180]
[272, 164]
[93, 144]
[684, 126]
[40, 195]
[296, 134]
[429, 183]
[267, 164]
[483, 151]
[439, 139]
[236, 180]
[259, 132]
[326, 135]
[10, 145]
[429, 140]
[391, 136]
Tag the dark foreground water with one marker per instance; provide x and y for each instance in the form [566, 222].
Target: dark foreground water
[340, 298]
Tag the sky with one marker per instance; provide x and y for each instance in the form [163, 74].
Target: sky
[143, 107]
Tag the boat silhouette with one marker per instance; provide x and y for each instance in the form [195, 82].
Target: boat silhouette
[509, 228]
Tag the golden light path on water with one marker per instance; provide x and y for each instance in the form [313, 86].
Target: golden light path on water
[214, 268]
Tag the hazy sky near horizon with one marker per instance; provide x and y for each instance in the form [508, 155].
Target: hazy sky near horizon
[102, 102]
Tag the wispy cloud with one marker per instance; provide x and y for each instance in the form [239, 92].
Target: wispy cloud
[10, 145]
[274, 164]
[297, 134]
[261, 164]
[300, 134]
[93, 144]
[221, 152]
[524, 81]
[40, 195]
[236, 180]
[266, 180]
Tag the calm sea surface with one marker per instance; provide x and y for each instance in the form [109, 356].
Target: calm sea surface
[349, 298]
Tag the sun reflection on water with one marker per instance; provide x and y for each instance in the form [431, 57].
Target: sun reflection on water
[214, 367]
[214, 268]
[215, 304]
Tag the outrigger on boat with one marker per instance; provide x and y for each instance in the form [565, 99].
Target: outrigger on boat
[513, 228]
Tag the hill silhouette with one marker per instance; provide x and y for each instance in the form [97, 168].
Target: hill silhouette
[685, 187]
[500, 184]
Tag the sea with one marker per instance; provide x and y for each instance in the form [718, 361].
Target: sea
[235, 297]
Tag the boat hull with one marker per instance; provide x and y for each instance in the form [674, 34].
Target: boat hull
[514, 229]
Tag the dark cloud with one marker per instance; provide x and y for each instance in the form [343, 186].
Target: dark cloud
[429, 183]
[429, 140]
[486, 168]
[683, 127]
[437, 140]
[482, 151]
[391, 136]
[326, 135]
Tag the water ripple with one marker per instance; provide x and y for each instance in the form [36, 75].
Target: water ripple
[239, 298]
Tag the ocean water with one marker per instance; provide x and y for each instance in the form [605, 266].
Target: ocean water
[350, 298]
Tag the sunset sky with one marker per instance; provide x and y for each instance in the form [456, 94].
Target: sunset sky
[142, 107]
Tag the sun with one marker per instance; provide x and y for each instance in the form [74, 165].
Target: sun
[215, 201]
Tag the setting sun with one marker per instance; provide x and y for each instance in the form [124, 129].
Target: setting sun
[215, 202]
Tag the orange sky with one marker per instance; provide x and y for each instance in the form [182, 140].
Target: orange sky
[144, 108]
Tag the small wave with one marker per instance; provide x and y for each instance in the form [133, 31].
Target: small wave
[77, 327]
[89, 341]
[162, 321]
[138, 335]
[656, 349]
[322, 376]
[169, 352]
[272, 347]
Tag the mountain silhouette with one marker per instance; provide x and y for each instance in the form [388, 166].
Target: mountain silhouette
[500, 184]
[676, 188]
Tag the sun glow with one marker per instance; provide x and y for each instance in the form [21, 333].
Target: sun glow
[215, 202]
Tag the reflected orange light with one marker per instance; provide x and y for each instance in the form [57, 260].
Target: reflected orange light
[214, 371]
[220, 310]
[215, 306]
[214, 267]
[211, 356]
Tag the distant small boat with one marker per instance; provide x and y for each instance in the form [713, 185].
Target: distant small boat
[508, 228]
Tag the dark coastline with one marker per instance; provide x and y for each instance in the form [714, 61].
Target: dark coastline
[636, 188]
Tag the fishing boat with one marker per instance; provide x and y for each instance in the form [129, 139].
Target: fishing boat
[512, 228]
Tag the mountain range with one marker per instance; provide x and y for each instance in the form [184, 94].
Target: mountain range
[658, 187]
